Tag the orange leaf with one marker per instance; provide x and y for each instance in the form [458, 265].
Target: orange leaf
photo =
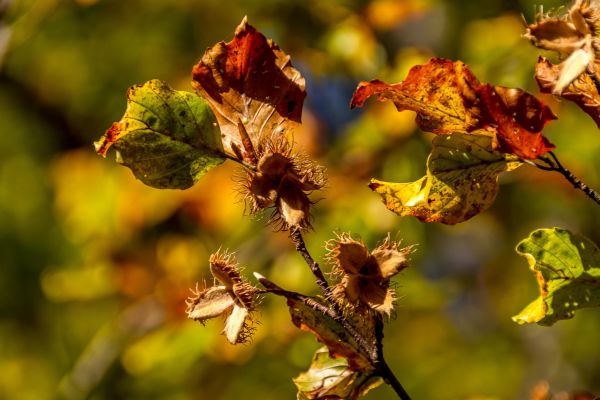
[449, 99]
[519, 118]
[441, 92]
[250, 80]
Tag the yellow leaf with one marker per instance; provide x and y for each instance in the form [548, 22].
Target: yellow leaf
[461, 180]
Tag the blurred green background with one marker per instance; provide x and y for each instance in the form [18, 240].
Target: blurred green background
[95, 267]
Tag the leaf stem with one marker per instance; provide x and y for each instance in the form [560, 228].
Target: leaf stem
[298, 240]
[554, 164]
[237, 160]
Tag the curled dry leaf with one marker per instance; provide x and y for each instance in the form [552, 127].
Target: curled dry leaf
[583, 91]
[250, 81]
[441, 92]
[448, 99]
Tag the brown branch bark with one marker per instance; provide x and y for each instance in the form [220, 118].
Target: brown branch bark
[298, 240]
[381, 365]
[555, 165]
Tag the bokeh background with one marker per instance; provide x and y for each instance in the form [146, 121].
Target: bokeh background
[95, 267]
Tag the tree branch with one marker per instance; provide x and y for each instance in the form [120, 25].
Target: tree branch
[381, 365]
[323, 309]
[374, 351]
[298, 240]
[555, 165]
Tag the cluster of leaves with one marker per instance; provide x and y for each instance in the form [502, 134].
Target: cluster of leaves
[483, 130]
[170, 138]
[248, 101]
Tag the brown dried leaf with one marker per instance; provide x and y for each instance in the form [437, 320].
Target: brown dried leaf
[583, 91]
[448, 99]
[441, 92]
[250, 80]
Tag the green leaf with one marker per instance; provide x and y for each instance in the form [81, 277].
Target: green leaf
[332, 378]
[567, 268]
[329, 332]
[461, 180]
[168, 138]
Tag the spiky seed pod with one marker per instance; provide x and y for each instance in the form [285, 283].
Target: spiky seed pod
[364, 277]
[208, 303]
[390, 258]
[234, 299]
[586, 12]
[348, 255]
[224, 268]
[245, 295]
[574, 35]
[282, 180]
[292, 206]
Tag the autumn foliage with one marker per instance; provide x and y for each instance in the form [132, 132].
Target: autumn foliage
[248, 101]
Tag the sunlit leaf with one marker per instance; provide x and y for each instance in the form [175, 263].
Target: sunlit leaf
[250, 81]
[461, 181]
[582, 91]
[332, 378]
[567, 268]
[448, 99]
[441, 92]
[329, 332]
[168, 138]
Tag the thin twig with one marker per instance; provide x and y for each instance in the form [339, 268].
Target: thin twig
[542, 167]
[237, 160]
[298, 240]
[381, 365]
[555, 165]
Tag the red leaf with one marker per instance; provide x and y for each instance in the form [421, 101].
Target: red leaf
[250, 80]
[519, 118]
